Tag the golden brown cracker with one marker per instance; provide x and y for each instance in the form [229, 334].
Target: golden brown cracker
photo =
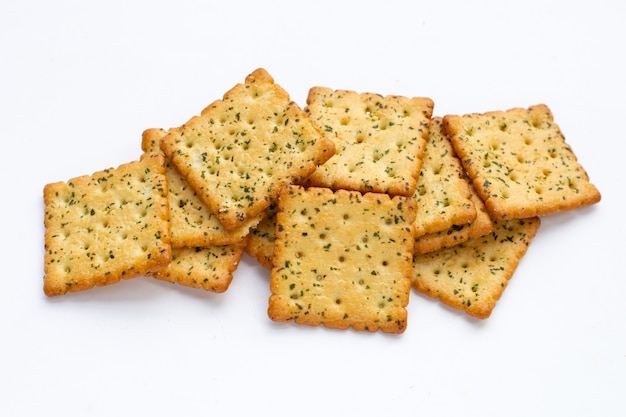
[456, 234]
[519, 162]
[473, 275]
[107, 226]
[342, 259]
[379, 141]
[243, 148]
[210, 268]
[260, 242]
[442, 194]
[192, 223]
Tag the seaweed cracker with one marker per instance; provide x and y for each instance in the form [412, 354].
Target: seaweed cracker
[473, 275]
[379, 140]
[260, 242]
[519, 162]
[192, 224]
[456, 234]
[342, 259]
[243, 148]
[442, 194]
[210, 268]
[107, 226]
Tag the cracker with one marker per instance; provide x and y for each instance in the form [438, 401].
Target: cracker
[260, 243]
[456, 234]
[442, 194]
[192, 223]
[210, 268]
[519, 162]
[379, 140]
[107, 226]
[243, 148]
[342, 259]
[473, 275]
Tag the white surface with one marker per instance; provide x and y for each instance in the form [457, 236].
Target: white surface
[80, 81]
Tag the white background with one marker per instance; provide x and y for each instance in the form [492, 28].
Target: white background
[80, 81]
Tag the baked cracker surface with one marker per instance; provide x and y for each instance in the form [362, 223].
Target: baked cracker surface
[192, 223]
[241, 149]
[442, 194]
[457, 234]
[260, 242]
[108, 226]
[210, 268]
[473, 275]
[379, 140]
[342, 259]
[519, 162]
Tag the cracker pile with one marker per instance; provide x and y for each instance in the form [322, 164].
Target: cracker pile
[349, 203]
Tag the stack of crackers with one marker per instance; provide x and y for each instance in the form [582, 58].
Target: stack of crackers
[349, 202]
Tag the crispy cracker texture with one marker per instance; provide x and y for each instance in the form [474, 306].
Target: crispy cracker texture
[108, 226]
[442, 193]
[241, 149]
[342, 259]
[473, 275]
[519, 162]
[260, 242]
[379, 140]
[210, 268]
[192, 223]
[456, 234]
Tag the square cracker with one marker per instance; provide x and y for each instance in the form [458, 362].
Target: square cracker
[379, 140]
[456, 234]
[442, 194]
[473, 275]
[519, 162]
[243, 148]
[192, 223]
[342, 259]
[103, 227]
[210, 268]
